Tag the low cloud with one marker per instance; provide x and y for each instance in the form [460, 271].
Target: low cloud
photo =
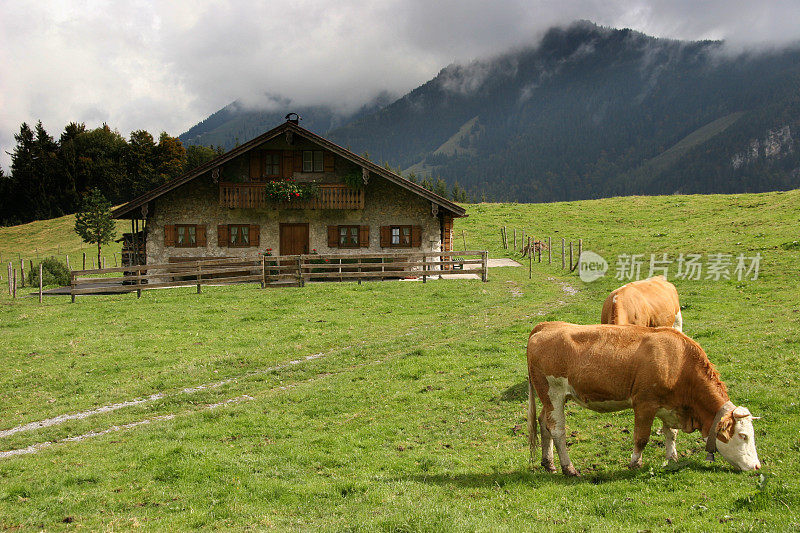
[163, 66]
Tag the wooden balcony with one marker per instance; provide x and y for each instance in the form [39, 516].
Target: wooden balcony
[253, 195]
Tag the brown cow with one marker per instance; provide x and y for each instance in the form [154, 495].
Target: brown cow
[659, 372]
[648, 302]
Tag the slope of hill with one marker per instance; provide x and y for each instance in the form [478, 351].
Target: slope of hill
[576, 116]
[237, 123]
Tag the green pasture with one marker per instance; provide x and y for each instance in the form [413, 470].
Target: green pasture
[394, 406]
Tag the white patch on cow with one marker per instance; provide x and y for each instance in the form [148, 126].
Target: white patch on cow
[614, 299]
[740, 450]
[678, 322]
[669, 417]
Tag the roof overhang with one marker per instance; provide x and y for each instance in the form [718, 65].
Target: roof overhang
[129, 210]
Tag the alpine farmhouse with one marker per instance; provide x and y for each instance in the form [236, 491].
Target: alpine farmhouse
[286, 192]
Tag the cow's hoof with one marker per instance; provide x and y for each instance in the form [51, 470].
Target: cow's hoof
[570, 471]
[635, 465]
[549, 466]
[673, 457]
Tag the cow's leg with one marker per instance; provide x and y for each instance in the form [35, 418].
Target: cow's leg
[670, 450]
[558, 429]
[547, 443]
[643, 417]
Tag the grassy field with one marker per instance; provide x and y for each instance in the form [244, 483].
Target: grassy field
[394, 406]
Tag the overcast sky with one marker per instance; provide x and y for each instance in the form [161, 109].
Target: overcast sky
[166, 65]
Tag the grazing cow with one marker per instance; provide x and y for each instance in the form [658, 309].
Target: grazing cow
[658, 372]
[649, 302]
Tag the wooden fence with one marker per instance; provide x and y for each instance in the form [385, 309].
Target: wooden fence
[279, 270]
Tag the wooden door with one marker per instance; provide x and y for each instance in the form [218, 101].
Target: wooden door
[294, 239]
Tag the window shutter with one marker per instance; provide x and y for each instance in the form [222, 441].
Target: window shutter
[169, 235]
[333, 236]
[200, 234]
[255, 164]
[363, 236]
[222, 235]
[255, 235]
[327, 162]
[386, 236]
[298, 161]
[287, 166]
[416, 236]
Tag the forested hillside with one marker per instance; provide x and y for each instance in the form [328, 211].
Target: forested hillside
[594, 112]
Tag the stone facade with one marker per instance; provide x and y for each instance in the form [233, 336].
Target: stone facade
[197, 202]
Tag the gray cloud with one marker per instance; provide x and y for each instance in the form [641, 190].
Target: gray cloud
[166, 65]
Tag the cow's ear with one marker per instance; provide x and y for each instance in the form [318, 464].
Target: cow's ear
[726, 427]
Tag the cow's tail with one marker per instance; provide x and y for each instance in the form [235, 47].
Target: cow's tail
[533, 430]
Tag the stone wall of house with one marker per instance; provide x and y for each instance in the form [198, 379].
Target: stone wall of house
[197, 202]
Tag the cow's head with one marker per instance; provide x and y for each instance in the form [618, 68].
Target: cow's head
[736, 439]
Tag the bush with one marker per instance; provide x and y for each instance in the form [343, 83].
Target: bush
[54, 272]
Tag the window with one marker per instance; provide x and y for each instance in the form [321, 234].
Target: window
[348, 237]
[185, 235]
[239, 235]
[401, 236]
[272, 164]
[312, 161]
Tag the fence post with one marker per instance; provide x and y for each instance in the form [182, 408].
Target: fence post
[14, 294]
[424, 269]
[263, 272]
[301, 281]
[580, 249]
[115, 259]
[10, 289]
[40, 283]
[515, 239]
[199, 276]
[485, 260]
[67, 256]
[562, 252]
[139, 282]
[84, 260]
[541, 243]
[549, 252]
[530, 261]
[72, 286]
[22, 272]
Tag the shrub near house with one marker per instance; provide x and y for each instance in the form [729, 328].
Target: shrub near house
[291, 191]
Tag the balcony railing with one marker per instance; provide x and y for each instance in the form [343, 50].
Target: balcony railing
[253, 195]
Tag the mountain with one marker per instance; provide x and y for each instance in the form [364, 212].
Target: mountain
[237, 122]
[593, 112]
[588, 112]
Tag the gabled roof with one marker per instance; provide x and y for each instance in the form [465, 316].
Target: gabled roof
[126, 210]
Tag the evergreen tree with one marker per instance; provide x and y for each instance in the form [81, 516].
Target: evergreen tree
[93, 223]
[140, 161]
[440, 188]
[170, 157]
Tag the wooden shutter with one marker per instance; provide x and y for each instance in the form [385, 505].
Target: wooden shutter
[222, 235]
[255, 235]
[416, 236]
[333, 236]
[298, 161]
[363, 236]
[327, 162]
[200, 234]
[169, 235]
[255, 164]
[287, 164]
[386, 236]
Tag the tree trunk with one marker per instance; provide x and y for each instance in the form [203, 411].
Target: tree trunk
[99, 263]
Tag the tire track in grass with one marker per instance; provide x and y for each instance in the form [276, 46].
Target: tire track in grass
[60, 419]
